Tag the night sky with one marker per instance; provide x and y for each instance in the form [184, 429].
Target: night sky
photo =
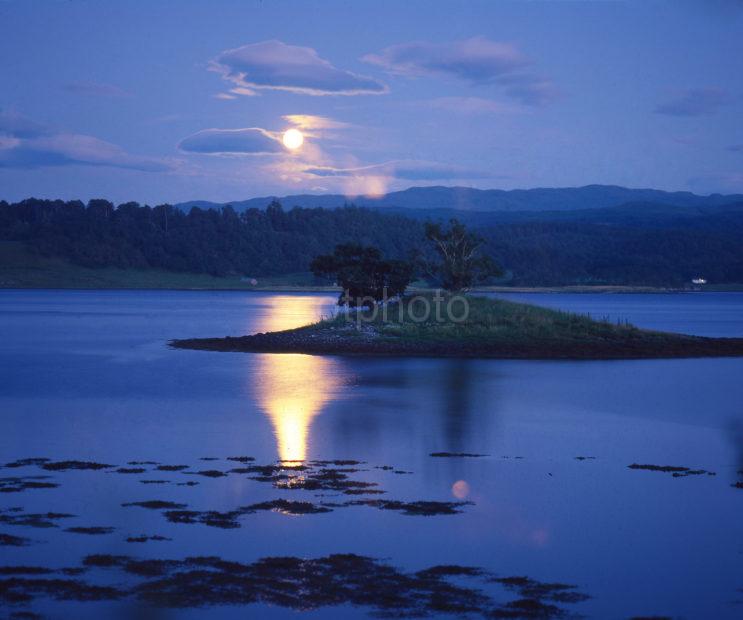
[170, 101]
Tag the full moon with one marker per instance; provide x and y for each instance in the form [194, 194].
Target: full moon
[293, 139]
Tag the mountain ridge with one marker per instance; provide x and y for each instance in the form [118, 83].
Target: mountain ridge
[486, 200]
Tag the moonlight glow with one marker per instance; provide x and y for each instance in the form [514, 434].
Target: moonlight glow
[293, 139]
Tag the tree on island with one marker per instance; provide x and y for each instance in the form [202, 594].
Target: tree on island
[365, 277]
[458, 262]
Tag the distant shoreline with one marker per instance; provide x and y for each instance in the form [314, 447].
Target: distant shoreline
[579, 289]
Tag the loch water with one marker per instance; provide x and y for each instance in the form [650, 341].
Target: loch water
[88, 376]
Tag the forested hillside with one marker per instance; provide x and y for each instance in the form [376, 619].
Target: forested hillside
[633, 245]
[219, 242]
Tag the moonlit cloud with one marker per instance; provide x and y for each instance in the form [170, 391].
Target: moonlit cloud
[310, 122]
[478, 61]
[249, 140]
[696, 102]
[274, 65]
[27, 144]
[407, 169]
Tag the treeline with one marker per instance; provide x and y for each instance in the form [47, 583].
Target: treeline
[218, 242]
[562, 253]
[275, 241]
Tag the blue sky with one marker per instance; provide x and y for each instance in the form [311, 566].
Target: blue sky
[169, 101]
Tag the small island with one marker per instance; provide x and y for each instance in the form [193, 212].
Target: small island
[494, 328]
[381, 318]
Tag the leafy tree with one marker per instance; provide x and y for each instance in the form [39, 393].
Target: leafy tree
[458, 261]
[363, 274]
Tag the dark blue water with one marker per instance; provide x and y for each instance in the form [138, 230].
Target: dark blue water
[89, 376]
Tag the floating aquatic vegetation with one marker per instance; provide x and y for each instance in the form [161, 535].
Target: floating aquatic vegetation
[155, 504]
[241, 459]
[300, 584]
[230, 519]
[417, 508]
[209, 473]
[144, 538]
[26, 589]
[677, 471]
[94, 530]
[27, 462]
[17, 484]
[7, 540]
[16, 516]
[65, 465]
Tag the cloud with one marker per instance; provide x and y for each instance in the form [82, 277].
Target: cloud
[408, 169]
[310, 122]
[735, 148]
[250, 140]
[27, 144]
[528, 89]
[477, 60]
[96, 89]
[696, 102]
[273, 65]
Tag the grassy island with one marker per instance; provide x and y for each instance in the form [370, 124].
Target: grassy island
[493, 328]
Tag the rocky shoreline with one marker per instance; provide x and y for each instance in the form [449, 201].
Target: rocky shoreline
[367, 341]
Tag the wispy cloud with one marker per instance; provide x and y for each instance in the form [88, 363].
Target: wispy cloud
[96, 89]
[696, 102]
[246, 141]
[478, 61]
[274, 65]
[27, 144]
[311, 121]
[735, 148]
[407, 169]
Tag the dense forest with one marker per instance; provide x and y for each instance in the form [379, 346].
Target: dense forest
[273, 241]
[219, 242]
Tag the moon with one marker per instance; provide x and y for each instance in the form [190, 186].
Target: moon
[293, 139]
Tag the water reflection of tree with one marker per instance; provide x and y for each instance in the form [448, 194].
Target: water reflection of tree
[457, 404]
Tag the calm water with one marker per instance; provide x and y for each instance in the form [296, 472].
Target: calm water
[89, 376]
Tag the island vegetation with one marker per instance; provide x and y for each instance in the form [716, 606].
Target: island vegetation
[493, 328]
[378, 321]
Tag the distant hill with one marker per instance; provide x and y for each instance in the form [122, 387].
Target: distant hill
[432, 199]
